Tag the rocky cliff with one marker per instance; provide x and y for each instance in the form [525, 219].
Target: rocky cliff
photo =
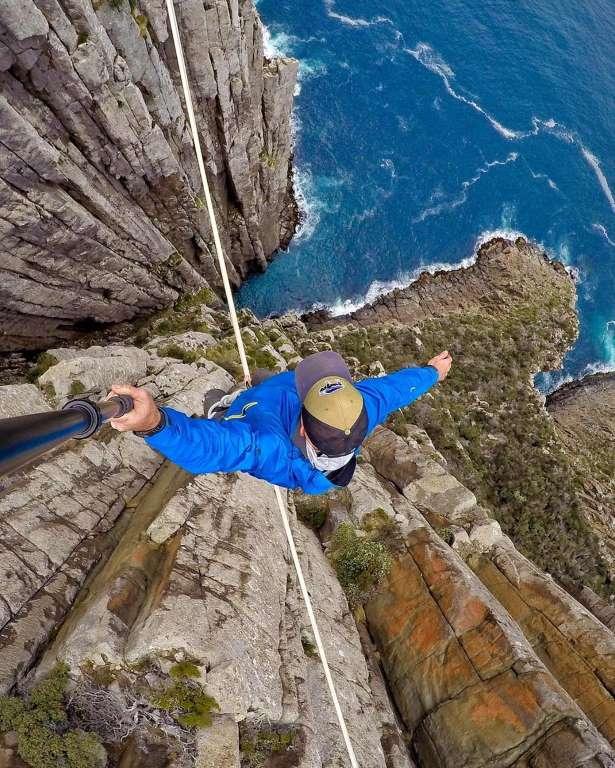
[173, 602]
[101, 206]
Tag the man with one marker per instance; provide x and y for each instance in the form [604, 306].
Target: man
[300, 429]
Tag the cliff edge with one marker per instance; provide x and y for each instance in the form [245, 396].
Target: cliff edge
[100, 199]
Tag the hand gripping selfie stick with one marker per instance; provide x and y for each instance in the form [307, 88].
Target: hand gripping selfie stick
[25, 438]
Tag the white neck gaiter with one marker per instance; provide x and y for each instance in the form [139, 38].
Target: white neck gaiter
[325, 463]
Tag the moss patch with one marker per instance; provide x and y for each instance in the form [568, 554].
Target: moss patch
[187, 702]
[259, 747]
[311, 510]
[179, 353]
[184, 670]
[43, 363]
[76, 388]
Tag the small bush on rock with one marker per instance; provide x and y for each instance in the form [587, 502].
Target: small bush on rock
[43, 740]
[187, 702]
[311, 510]
[360, 562]
[257, 748]
[184, 670]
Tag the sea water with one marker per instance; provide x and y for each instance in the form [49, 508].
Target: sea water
[425, 126]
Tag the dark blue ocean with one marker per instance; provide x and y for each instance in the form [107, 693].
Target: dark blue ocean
[424, 126]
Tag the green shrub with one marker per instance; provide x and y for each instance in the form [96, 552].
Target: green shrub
[312, 510]
[360, 562]
[183, 670]
[11, 711]
[142, 23]
[268, 159]
[446, 534]
[179, 353]
[258, 748]
[187, 702]
[194, 300]
[40, 724]
[309, 648]
[44, 362]
[76, 388]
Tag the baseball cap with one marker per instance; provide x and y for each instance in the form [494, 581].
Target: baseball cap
[333, 411]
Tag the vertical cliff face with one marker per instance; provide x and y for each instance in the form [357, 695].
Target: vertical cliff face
[101, 209]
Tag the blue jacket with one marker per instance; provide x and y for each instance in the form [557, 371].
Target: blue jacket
[256, 435]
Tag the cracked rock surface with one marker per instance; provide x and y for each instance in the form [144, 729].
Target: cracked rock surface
[467, 655]
[102, 215]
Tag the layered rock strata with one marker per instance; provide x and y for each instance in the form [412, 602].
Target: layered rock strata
[103, 217]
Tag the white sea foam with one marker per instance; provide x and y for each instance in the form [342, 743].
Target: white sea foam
[461, 197]
[563, 133]
[552, 380]
[604, 232]
[380, 287]
[546, 178]
[351, 21]
[608, 341]
[594, 163]
[431, 60]
[310, 205]
[594, 368]
[276, 45]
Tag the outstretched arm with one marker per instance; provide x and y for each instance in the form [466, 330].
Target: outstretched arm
[399, 389]
[196, 445]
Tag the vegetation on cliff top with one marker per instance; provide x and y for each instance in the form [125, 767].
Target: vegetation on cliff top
[491, 424]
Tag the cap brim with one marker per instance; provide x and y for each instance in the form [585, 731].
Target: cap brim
[331, 441]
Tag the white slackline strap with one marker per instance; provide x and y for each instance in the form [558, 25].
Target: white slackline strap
[244, 362]
[179, 51]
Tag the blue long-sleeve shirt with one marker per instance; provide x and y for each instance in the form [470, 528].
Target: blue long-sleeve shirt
[256, 435]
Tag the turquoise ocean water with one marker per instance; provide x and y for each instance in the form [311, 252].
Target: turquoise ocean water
[424, 127]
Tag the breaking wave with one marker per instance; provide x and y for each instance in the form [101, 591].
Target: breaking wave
[310, 205]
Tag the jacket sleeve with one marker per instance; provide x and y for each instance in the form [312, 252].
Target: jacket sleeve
[201, 445]
[397, 390]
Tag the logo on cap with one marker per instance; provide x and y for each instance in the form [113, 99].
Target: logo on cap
[330, 388]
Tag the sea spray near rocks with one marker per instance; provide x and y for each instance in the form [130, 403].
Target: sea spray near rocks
[548, 104]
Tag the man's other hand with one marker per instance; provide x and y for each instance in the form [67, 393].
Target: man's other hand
[145, 414]
[442, 363]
